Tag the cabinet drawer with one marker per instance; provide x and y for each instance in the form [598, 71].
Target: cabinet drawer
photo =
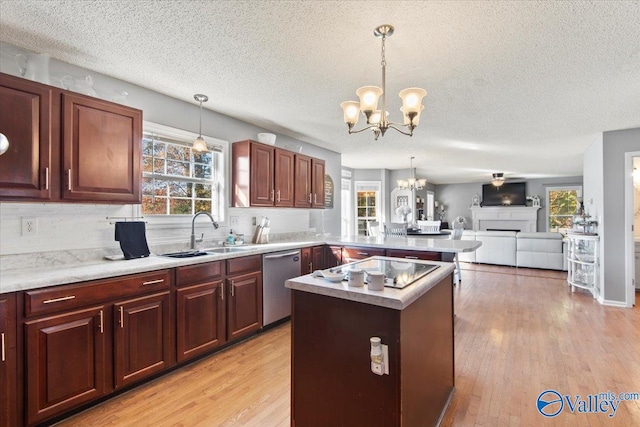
[199, 273]
[61, 298]
[244, 265]
[350, 253]
[421, 255]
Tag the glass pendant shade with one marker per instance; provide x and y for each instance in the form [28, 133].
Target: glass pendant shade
[412, 99]
[401, 183]
[422, 182]
[199, 144]
[351, 110]
[416, 119]
[369, 96]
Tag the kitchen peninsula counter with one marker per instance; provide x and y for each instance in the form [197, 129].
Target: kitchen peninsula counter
[332, 379]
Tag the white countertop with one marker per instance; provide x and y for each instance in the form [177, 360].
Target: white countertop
[397, 299]
[21, 279]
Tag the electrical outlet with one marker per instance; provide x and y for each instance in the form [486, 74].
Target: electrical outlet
[234, 221]
[29, 227]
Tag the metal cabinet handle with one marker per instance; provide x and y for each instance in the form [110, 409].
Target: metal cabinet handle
[101, 323]
[273, 195]
[278, 195]
[69, 179]
[311, 267]
[49, 301]
[362, 253]
[232, 288]
[315, 198]
[121, 317]
[152, 282]
[46, 178]
[3, 355]
[222, 291]
[410, 257]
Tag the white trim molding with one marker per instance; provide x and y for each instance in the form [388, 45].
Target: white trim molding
[523, 218]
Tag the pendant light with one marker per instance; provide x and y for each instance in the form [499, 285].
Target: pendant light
[498, 179]
[199, 143]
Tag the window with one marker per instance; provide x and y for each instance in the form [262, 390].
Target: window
[562, 203]
[346, 206]
[177, 180]
[367, 205]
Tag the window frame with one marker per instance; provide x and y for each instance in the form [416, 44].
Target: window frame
[159, 221]
[577, 188]
[361, 186]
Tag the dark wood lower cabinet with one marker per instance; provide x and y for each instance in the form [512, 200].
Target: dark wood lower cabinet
[421, 255]
[142, 342]
[201, 319]
[332, 256]
[244, 305]
[8, 359]
[65, 362]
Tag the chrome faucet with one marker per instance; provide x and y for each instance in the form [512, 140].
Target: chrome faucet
[193, 223]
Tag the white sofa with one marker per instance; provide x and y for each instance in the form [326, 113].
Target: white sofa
[517, 249]
[540, 250]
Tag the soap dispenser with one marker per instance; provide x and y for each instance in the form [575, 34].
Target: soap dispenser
[231, 238]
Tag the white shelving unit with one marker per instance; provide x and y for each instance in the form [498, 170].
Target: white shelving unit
[583, 259]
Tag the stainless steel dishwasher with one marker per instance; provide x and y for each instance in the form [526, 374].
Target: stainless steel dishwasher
[277, 267]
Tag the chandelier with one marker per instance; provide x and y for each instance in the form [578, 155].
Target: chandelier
[369, 95]
[498, 179]
[411, 183]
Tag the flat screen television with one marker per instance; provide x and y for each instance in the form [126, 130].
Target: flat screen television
[508, 194]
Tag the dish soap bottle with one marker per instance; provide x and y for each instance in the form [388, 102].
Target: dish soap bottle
[231, 238]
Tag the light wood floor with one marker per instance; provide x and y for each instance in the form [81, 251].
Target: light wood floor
[518, 332]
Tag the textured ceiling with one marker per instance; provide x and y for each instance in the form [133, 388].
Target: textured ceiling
[515, 87]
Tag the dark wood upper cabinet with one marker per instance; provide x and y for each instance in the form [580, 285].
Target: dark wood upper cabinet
[303, 182]
[284, 173]
[142, 338]
[317, 183]
[101, 150]
[66, 362]
[8, 361]
[66, 146]
[29, 118]
[265, 176]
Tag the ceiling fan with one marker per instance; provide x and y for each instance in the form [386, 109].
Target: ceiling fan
[498, 179]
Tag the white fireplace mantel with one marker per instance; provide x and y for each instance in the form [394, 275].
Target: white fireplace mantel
[523, 218]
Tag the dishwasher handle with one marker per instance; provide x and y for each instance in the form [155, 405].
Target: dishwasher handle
[288, 254]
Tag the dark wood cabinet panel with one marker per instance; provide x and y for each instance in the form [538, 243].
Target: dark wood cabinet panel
[101, 150]
[29, 118]
[142, 338]
[244, 305]
[65, 362]
[303, 172]
[332, 256]
[201, 319]
[284, 173]
[8, 361]
[350, 254]
[421, 255]
[199, 273]
[247, 264]
[317, 183]
[262, 175]
[305, 261]
[317, 258]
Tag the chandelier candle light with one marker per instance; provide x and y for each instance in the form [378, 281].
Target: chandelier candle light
[369, 95]
[411, 183]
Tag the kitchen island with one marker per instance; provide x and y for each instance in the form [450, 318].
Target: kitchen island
[332, 378]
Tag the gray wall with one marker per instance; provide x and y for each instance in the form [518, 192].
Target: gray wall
[168, 111]
[457, 197]
[615, 145]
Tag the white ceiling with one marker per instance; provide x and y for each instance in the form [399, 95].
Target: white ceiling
[516, 87]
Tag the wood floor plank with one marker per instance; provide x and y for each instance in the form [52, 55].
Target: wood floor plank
[517, 333]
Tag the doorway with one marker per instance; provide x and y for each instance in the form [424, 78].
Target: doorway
[632, 235]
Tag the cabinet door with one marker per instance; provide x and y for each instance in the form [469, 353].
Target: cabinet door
[303, 181]
[305, 261]
[244, 305]
[65, 362]
[101, 150]
[317, 258]
[317, 183]
[354, 253]
[332, 256]
[200, 318]
[142, 338]
[8, 368]
[262, 160]
[284, 170]
[27, 118]
[422, 255]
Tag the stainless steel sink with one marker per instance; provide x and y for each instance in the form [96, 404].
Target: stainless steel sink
[226, 249]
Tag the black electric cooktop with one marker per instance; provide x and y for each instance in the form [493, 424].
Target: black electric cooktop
[399, 274]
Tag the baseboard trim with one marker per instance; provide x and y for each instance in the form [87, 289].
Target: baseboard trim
[613, 303]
